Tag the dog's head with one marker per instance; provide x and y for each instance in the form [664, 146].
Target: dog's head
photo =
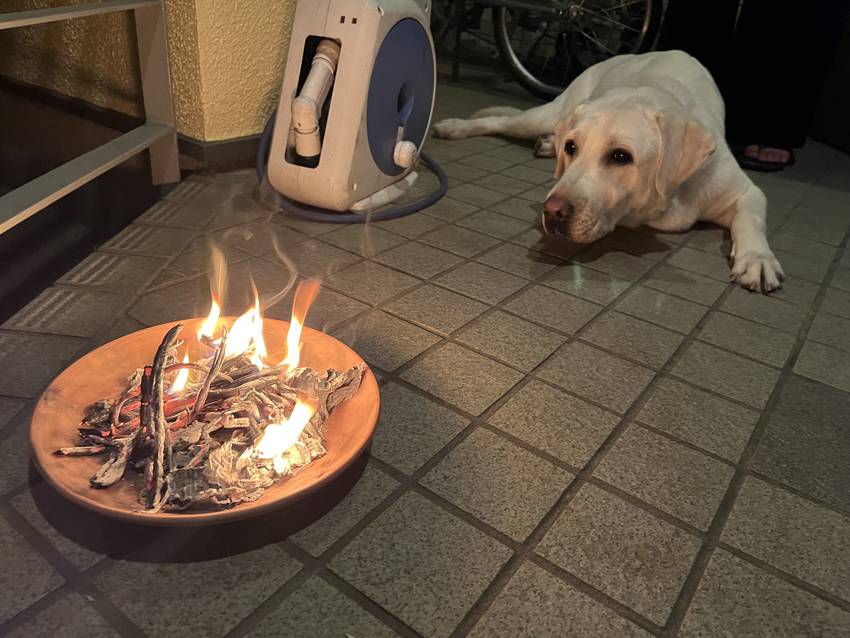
[618, 157]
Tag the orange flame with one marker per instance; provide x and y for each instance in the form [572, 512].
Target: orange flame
[181, 378]
[207, 328]
[305, 294]
[247, 331]
[279, 437]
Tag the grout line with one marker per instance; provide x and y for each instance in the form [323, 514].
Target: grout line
[75, 580]
[723, 513]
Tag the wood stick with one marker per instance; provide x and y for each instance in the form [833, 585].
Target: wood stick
[157, 417]
[201, 399]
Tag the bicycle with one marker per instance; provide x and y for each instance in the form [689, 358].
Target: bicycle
[545, 44]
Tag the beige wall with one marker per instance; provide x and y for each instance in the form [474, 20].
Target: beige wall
[226, 60]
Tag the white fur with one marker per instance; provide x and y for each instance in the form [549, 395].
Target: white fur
[666, 110]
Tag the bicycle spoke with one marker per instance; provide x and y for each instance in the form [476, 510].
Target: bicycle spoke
[600, 16]
[596, 41]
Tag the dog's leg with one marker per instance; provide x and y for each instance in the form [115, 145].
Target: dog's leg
[754, 265]
[545, 146]
[540, 120]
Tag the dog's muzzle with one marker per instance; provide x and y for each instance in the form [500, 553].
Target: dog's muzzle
[553, 224]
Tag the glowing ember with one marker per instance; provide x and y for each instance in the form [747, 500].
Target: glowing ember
[279, 437]
[304, 296]
[181, 378]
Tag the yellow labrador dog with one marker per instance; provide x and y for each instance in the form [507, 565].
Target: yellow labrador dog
[639, 139]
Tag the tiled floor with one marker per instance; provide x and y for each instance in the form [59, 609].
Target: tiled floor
[605, 442]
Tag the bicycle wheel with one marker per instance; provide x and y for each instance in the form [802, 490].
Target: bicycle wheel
[546, 49]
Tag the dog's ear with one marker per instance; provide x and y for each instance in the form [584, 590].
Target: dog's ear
[684, 146]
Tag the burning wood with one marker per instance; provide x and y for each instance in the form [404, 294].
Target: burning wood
[220, 430]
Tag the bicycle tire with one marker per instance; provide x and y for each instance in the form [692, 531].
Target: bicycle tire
[535, 85]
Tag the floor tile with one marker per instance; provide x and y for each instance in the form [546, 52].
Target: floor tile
[314, 258]
[832, 330]
[712, 239]
[410, 225]
[8, 409]
[68, 311]
[764, 309]
[735, 598]
[28, 362]
[812, 267]
[727, 373]
[674, 478]
[436, 308]
[371, 282]
[748, 338]
[714, 266]
[682, 283]
[83, 538]
[412, 428]
[512, 340]
[460, 241]
[552, 308]
[126, 274]
[806, 445]
[26, 576]
[837, 302]
[555, 422]
[68, 617]
[792, 534]
[270, 278]
[185, 299]
[177, 214]
[535, 603]
[520, 261]
[495, 224]
[14, 450]
[150, 240]
[512, 153]
[700, 418]
[477, 195]
[529, 174]
[388, 342]
[537, 194]
[587, 283]
[481, 282]
[638, 244]
[311, 229]
[419, 260]
[841, 279]
[827, 365]
[407, 561]
[449, 209]
[518, 208]
[635, 558]
[614, 262]
[326, 612]
[796, 291]
[463, 172]
[462, 377]
[328, 310]
[597, 376]
[260, 237]
[661, 308]
[799, 245]
[243, 580]
[487, 163]
[632, 338]
[363, 239]
[503, 485]
[371, 488]
[503, 184]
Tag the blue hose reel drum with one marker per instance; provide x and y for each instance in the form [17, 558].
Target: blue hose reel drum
[356, 103]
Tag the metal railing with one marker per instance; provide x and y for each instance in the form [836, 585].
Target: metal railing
[157, 134]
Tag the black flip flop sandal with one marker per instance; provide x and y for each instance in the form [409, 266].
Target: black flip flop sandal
[752, 164]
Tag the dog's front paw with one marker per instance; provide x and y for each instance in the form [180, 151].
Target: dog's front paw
[545, 146]
[757, 270]
[451, 129]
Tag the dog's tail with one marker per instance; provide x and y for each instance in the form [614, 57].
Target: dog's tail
[495, 110]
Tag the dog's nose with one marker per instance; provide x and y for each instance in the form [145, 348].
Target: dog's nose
[553, 205]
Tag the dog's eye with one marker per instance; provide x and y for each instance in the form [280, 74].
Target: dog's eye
[620, 156]
[570, 148]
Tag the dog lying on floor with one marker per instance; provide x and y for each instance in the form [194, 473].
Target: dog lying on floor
[639, 140]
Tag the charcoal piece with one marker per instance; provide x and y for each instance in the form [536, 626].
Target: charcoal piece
[113, 470]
